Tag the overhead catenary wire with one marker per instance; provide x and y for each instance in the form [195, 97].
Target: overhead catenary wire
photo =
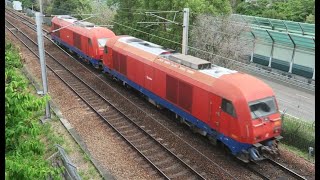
[172, 41]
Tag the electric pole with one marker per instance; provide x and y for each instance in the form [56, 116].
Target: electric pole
[39, 17]
[185, 31]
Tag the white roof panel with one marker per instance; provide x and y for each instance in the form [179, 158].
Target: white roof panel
[143, 45]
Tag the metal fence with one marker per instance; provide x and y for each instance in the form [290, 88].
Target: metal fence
[290, 53]
[61, 160]
[284, 45]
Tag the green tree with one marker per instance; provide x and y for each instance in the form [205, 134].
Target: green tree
[294, 10]
[310, 19]
[69, 7]
[133, 11]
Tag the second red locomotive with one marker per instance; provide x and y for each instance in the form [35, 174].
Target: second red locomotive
[83, 38]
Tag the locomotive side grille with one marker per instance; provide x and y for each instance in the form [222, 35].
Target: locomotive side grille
[172, 89]
[77, 40]
[185, 96]
[115, 60]
[123, 63]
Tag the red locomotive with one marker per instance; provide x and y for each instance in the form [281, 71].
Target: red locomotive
[83, 38]
[233, 108]
[227, 106]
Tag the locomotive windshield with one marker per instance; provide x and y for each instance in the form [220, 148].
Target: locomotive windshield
[102, 42]
[262, 107]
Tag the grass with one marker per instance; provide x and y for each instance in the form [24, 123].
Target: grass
[298, 152]
[298, 134]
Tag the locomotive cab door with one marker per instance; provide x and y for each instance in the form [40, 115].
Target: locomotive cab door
[225, 116]
[148, 76]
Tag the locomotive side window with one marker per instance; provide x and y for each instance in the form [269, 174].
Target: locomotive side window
[105, 49]
[227, 107]
[102, 42]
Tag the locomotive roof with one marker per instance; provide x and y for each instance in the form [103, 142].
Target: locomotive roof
[144, 45]
[224, 82]
[83, 27]
[70, 19]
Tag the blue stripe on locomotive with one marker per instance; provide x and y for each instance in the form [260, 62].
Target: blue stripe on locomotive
[95, 62]
[235, 146]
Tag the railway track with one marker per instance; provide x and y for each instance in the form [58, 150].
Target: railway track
[107, 108]
[277, 170]
[163, 160]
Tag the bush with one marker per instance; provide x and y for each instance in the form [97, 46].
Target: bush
[24, 151]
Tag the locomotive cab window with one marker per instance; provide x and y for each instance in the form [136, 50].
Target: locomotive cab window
[227, 107]
[105, 50]
[102, 42]
[262, 107]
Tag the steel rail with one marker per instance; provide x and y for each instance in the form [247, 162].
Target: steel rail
[286, 169]
[252, 166]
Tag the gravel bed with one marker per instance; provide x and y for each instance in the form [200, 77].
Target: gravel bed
[112, 153]
[296, 163]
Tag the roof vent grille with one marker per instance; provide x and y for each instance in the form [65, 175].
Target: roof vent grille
[84, 24]
[190, 61]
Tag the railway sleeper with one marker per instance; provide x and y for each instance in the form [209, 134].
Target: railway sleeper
[173, 168]
[118, 123]
[126, 129]
[145, 145]
[136, 140]
[179, 174]
[163, 161]
[157, 156]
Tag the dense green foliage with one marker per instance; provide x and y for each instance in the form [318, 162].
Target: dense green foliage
[28, 3]
[69, 7]
[294, 10]
[131, 12]
[298, 133]
[24, 151]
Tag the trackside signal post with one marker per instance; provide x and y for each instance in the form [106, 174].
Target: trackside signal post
[185, 31]
[39, 17]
